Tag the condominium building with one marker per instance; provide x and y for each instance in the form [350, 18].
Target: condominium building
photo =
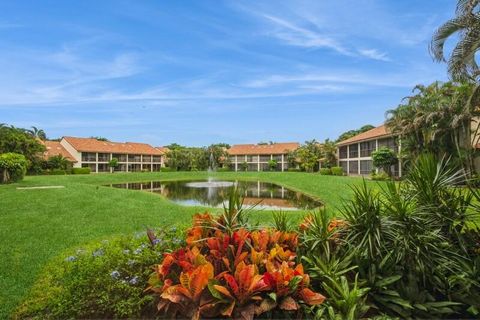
[96, 154]
[355, 154]
[256, 157]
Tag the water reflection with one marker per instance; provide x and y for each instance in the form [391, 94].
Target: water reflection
[212, 193]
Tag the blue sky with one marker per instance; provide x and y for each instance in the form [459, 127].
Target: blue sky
[198, 72]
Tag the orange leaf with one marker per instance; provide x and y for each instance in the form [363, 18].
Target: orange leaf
[310, 297]
[289, 304]
[223, 290]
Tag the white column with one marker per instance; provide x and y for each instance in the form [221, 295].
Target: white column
[126, 163]
[236, 163]
[96, 162]
[376, 148]
[358, 170]
[258, 162]
[283, 162]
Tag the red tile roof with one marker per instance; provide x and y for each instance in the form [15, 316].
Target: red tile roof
[254, 149]
[54, 148]
[94, 145]
[374, 133]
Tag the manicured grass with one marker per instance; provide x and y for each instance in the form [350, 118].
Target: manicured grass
[36, 225]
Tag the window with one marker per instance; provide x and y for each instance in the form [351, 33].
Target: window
[277, 157]
[252, 167]
[104, 157]
[252, 158]
[120, 157]
[344, 165]
[89, 156]
[265, 158]
[146, 158]
[366, 148]
[121, 167]
[103, 167]
[353, 150]
[134, 158]
[353, 167]
[389, 143]
[134, 167]
[157, 158]
[146, 167]
[366, 166]
[156, 167]
[343, 152]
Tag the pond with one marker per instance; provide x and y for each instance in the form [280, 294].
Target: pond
[213, 193]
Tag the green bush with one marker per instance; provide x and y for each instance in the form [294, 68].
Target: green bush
[54, 172]
[293, 170]
[325, 171]
[337, 171]
[167, 169]
[223, 169]
[104, 279]
[13, 167]
[81, 170]
[381, 176]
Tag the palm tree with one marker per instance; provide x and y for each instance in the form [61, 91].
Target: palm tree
[466, 23]
[37, 133]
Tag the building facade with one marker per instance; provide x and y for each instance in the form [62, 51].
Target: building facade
[256, 157]
[96, 154]
[355, 154]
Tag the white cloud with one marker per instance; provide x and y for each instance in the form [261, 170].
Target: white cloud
[298, 36]
[374, 54]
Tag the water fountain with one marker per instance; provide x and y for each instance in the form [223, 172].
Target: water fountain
[211, 183]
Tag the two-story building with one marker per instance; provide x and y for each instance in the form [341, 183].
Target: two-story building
[355, 154]
[256, 157]
[96, 154]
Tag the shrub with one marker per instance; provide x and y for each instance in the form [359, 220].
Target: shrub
[381, 176]
[225, 169]
[325, 171]
[337, 171]
[57, 172]
[167, 169]
[99, 280]
[81, 170]
[232, 272]
[384, 158]
[13, 167]
[294, 170]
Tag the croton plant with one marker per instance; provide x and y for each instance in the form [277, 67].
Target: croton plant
[236, 273]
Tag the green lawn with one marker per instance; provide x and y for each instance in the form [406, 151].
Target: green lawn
[36, 225]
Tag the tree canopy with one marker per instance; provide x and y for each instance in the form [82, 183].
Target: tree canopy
[351, 133]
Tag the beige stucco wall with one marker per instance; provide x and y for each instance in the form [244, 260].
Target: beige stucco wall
[77, 155]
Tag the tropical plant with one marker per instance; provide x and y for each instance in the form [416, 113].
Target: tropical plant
[113, 163]
[227, 270]
[13, 167]
[384, 158]
[309, 155]
[348, 134]
[57, 162]
[99, 280]
[329, 151]
[465, 26]
[18, 140]
[439, 119]
[272, 165]
[37, 133]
